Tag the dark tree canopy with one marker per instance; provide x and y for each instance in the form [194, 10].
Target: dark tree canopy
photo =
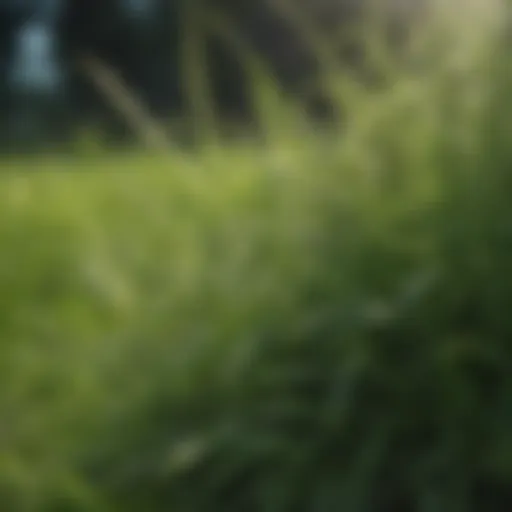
[150, 44]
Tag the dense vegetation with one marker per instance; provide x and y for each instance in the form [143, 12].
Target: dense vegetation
[316, 324]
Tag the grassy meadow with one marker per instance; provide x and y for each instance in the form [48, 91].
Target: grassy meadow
[315, 323]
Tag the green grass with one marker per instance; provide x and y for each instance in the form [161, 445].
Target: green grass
[318, 324]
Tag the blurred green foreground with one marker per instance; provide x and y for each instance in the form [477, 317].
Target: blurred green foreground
[317, 325]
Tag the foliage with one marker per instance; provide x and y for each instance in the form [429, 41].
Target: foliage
[317, 324]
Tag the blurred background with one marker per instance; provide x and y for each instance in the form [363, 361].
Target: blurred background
[255, 255]
[46, 92]
[121, 67]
